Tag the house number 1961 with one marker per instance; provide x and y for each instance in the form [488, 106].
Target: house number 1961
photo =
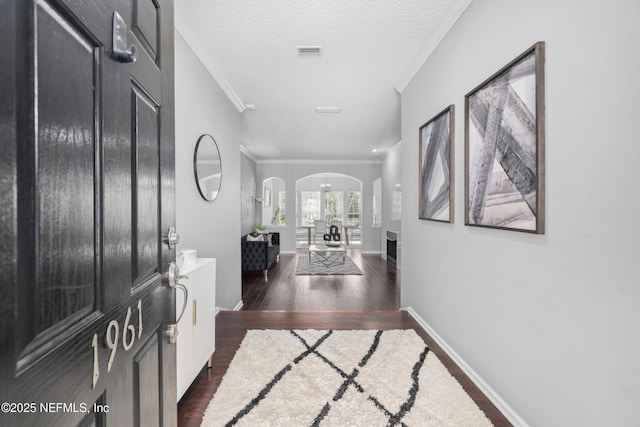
[112, 337]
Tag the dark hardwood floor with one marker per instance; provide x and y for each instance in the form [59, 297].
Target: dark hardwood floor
[377, 289]
[268, 306]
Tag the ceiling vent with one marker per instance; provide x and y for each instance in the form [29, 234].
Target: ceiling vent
[309, 50]
[328, 109]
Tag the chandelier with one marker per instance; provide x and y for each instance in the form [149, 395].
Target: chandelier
[326, 187]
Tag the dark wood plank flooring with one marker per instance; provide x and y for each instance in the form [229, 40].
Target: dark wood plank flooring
[378, 288]
[231, 326]
[352, 302]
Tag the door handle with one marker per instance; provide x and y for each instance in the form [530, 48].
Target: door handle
[186, 297]
[121, 52]
[173, 278]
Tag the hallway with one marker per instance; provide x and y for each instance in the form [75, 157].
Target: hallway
[286, 301]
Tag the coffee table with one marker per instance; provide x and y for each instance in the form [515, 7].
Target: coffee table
[327, 255]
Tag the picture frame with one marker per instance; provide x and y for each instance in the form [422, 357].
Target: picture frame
[504, 147]
[436, 167]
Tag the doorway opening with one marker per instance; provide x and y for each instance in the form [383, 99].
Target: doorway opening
[326, 199]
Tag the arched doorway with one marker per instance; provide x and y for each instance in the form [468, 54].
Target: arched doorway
[334, 198]
[274, 202]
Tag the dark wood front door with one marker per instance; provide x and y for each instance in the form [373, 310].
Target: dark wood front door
[87, 187]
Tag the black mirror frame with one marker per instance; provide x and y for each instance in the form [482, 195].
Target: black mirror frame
[195, 167]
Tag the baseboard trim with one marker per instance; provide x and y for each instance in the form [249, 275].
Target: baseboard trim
[238, 307]
[502, 406]
[287, 252]
[371, 252]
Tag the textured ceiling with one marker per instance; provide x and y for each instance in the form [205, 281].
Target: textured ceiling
[367, 44]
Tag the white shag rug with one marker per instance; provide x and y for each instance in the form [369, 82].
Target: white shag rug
[339, 378]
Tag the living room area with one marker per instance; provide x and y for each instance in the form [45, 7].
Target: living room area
[327, 220]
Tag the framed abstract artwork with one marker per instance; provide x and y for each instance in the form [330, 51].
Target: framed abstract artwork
[436, 167]
[504, 147]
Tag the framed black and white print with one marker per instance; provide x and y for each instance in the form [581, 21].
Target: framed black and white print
[504, 147]
[436, 167]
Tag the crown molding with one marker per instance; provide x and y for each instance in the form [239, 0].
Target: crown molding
[182, 27]
[449, 19]
[317, 162]
[395, 147]
[246, 152]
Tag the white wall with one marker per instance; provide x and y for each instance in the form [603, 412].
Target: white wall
[212, 227]
[291, 172]
[248, 192]
[391, 181]
[552, 322]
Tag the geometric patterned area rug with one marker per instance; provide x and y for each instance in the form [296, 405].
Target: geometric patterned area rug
[339, 378]
[304, 268]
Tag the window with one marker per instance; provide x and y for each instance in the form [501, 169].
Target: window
[353, 208]
[330, 206]
[310, 206]
[377, 201]
[333, 206]
[342, 203]
[282, 203]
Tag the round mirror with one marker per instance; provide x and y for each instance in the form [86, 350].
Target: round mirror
[207, 167]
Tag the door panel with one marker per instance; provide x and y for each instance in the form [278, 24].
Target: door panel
[146, 143]
[147, 384]
[65, 285]
[119, 397]
[88, 156]
[146, 22]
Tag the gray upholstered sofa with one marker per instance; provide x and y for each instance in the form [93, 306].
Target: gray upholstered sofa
[260, 255]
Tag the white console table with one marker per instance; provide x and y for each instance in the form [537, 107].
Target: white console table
[196, 330]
